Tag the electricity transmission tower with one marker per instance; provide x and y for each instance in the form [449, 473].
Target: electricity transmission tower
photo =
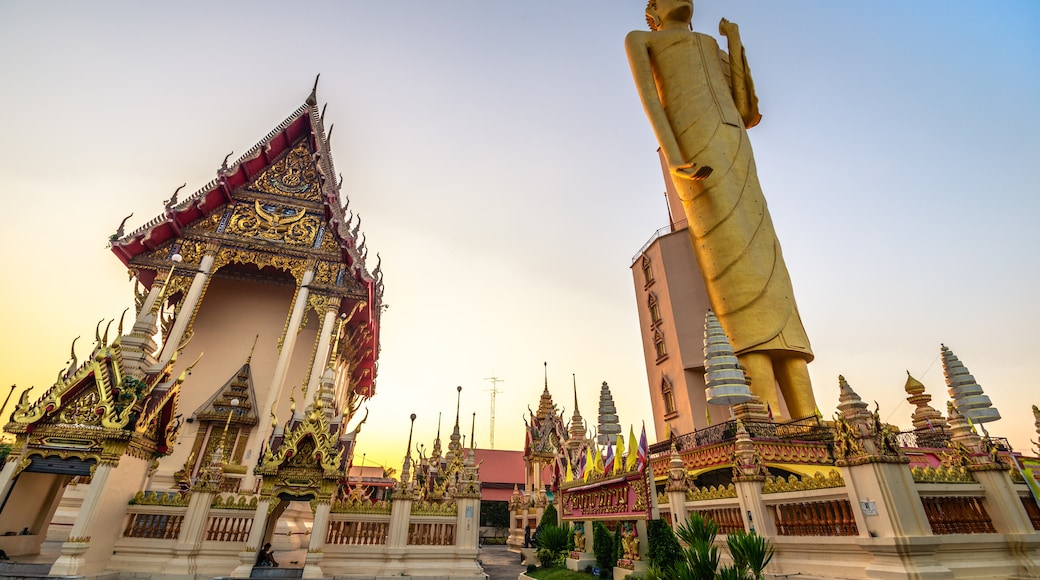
[494, 391]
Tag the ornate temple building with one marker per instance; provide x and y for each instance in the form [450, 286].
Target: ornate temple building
[222, 414]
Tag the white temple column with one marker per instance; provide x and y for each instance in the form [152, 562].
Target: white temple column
[247, 557]
[145, 321]
[319, 530]
[321, 355]
[188, 305]
[281, 369]
[73, 549]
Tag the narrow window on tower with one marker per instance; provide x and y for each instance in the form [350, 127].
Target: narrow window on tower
[659, 345]
[655, 309]
[648, 273]
[667, 396]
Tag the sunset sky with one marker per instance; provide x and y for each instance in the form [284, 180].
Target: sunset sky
[506, 173]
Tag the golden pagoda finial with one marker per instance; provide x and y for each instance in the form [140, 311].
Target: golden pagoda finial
[458, 402]
[252, 348]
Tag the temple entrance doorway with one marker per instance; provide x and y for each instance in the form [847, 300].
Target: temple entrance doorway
[288, 529]
[29, 513]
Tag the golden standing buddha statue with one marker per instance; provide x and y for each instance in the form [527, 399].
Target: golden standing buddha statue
[701, 101]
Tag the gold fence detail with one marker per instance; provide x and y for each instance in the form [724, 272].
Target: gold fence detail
[728, 519]
[806, 483]
[816, 518]
[360, 506]
[957, 515]
[228, 528]
[351, 533]
[163, 498]
[243, 502]
[705, 493]
[942, 475]
[430, 534]
[153, 526]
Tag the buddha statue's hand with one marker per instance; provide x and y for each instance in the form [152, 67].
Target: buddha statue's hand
[690, 171]
[729, 29]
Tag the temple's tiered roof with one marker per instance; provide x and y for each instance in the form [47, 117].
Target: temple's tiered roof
[277, 206]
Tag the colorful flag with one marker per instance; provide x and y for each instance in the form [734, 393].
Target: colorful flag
[770, 411]
[619, 462]
[707, 415]
[570, 474]
[608, 465]
[582, 469]
[644, 451]
[633, 451]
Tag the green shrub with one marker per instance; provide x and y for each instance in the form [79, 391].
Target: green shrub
[546, 558]
[603, 546]
[662, 548]
[553, 538]
[549, 517]
[619, 549]
[531, 568]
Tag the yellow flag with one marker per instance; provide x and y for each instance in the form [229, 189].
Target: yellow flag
[633, 451]
[619, 457]
[570, 474]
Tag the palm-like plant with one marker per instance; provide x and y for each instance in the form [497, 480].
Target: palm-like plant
[751, 553]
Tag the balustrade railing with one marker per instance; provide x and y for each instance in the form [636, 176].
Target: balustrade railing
[957, 515]
[357, 533]
[229, 528]
[805, 429]
[816, 518]
[154, 526]
[431, 534]
[728, 519]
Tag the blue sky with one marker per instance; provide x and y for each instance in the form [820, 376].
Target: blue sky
[506, 173]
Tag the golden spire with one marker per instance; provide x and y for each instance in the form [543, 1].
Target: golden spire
[252, 348]
[577, 426]
[545, 403]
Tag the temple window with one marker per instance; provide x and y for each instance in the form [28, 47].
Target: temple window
[659, 345]
[667, 396]
[648, 273]
[655, 308]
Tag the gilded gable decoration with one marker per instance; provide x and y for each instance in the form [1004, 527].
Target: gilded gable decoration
[294, 175]
[96, 411]
[276, 222]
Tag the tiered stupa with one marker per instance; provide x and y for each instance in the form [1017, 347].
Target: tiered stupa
[576, 429]
[609, 425]
[725, 383]
[966, 393]
[924, 416]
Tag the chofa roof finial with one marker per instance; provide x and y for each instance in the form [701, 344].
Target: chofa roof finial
[312, 99]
